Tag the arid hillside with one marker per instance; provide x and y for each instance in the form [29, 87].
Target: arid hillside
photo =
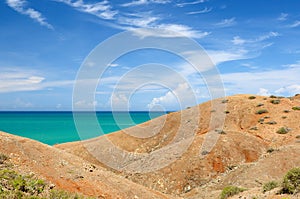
[254, 140]
[258, 142]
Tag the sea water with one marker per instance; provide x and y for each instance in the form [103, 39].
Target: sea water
[59, 127]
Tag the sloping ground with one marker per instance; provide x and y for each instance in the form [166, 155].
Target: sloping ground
[239, 157]
[69, 172]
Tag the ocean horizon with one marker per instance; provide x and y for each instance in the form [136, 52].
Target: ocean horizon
[56, 127]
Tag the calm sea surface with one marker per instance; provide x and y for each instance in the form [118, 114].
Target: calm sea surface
[59, 127]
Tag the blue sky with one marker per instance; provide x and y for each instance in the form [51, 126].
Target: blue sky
[254, 44]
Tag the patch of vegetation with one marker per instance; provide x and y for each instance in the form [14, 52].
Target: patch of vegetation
[254, 128]
[220, 131]
[262, 111]
[226, 112]
[212, 111]
[270, 150]
[286, 111]
[273, 96]
[224, 101]
[284, 117]
[251, 97]
[3, 158]
[261, 120]
[265, 98]
[259, 105]
[271, 122]
[269, 186]
[296, 108]
[231, 191]
[16, 186]
[283, 130]
[291, 181]
[277, 101]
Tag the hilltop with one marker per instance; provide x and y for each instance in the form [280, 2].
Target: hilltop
[258, 142]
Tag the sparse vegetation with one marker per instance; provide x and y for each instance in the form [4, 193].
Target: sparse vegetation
[291, 181]
[261, 120]
[251, 97]
[226, 112]
[284, 117]
[271, 122]
[286, 111]
[260, 105]
[269, 186]
[231, 191]
[262, 111]
[3, 158]
[283, 130]
[296, 108]
[277, 101]
[273, 96]
[254, 128]
[224, 101]
[270, 150]
[220, 131]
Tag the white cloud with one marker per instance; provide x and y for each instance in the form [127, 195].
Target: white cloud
[283, 17]
[226, 22]
[20, 6]
[16, 80]
[145, 2]
[238, 41]
[272, 81]
[295, 24]
[100, 9]
[289, 90]
[190, 3]
[224, 56]
[181, 96]
[295, 65]
[170, 30]
[263, 92]
[141, 22]
[205, 10]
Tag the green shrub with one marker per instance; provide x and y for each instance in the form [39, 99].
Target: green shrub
[277, 101]
[259, 105]
[270, 150]
[224, 101]
[291, 181]
[271, 122]
[251, 97]
[3, 158]
[262, 111]
[296, 108]
[283, 130]
[231, 191]
[269, 186]
[273, 96]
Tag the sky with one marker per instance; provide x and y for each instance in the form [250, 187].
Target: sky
[254, 45]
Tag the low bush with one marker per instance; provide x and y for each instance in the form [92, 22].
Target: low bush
[269, 186]
[262, 111]
[296, 108]
[291, 181]
[231, 191]
[251, 97]
[283, 130]
[277, 101]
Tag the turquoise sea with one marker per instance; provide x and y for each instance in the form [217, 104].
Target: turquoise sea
[59, 127]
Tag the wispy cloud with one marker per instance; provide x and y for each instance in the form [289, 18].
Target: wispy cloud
[21, 7]
[145, 2]
[226, 22]
[239, 41]
[170, 30]
[283, 17]
[205, 10]
[100, 9]
[295, 24]
[190, 3]
[17, 79]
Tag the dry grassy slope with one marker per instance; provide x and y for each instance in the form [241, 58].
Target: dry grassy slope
[239, 146]
[69, 172]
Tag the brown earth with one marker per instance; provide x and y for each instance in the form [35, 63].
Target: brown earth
[153, 166]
